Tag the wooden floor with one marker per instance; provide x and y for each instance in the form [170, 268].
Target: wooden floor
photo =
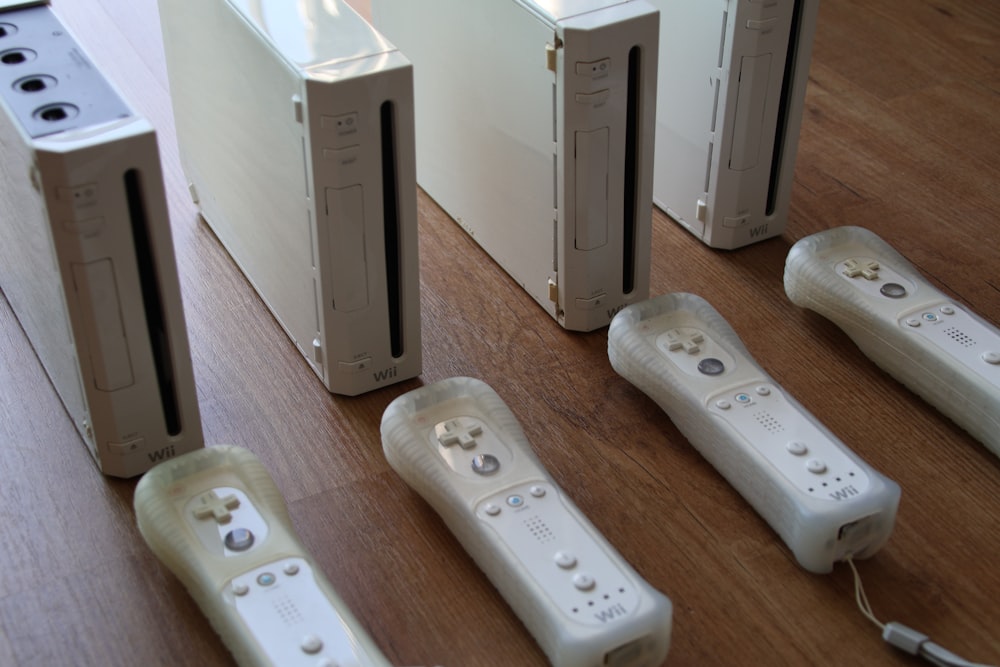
[901, 135]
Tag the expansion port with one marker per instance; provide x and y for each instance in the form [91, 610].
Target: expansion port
[624, 655]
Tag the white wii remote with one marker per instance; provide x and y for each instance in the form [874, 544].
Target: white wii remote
[217, 520]
[925, 339]
[458, 445]
[824, 501]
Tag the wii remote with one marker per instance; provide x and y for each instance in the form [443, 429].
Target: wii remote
[458, 445]
[925, 339]
[217, 521]
[824, 501]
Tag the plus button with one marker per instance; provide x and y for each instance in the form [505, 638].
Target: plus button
[211, 505]
[454, 432]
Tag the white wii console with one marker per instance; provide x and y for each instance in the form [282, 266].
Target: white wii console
[87, 260]
[535, 123]
[732, 83]
[295, 125]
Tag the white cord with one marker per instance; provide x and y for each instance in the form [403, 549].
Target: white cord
[905, 638]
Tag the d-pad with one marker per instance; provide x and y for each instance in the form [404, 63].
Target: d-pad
[211, 505]
[867, 269]
[454, 432]
[690, 342]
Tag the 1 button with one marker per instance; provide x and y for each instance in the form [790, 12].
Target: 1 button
[266, 579]
[515, 500]
[763, 391]
[538, 491]
[991, 358]
[492, 509]
[240, 589]
[311, 644]
[565, 560]
[797, 448]
[291, 569]
[723, 404]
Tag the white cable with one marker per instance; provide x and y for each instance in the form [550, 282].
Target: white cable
[906, 638]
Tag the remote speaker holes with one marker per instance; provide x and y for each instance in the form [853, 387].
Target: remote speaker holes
[53, 113]
[17, 56]
[34, 84]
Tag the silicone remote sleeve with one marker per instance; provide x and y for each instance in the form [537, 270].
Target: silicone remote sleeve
[824, 501]
[939, 349]
[577, 596]
[268, 601]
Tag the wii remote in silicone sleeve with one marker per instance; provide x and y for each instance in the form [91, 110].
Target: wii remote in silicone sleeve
[925, 339]
[824, 501]
[217, 521]
[458, 445]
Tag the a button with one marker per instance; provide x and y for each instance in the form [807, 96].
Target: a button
[342, 157]
[492, 509]
[991, 357]
[311, 644]
[240, 589]
[343, 124]
[485, 464]
[356, 366]
[761, 24]
[711, 366]
[736, 221]
[592, 303]
[913, 322]
[816, 466]
[515, 500]
[266, 579]
[593, 99]
[291, 569]
[583, 581]
[797, 448]
[762, 391]
[454, 432]
[743, 398]
[930, 317]
[239, 539]
[594, 68]
[723, 404]
[947, 310]
[537, 491]
[893, 290]
[565, 560]
[86, 227]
